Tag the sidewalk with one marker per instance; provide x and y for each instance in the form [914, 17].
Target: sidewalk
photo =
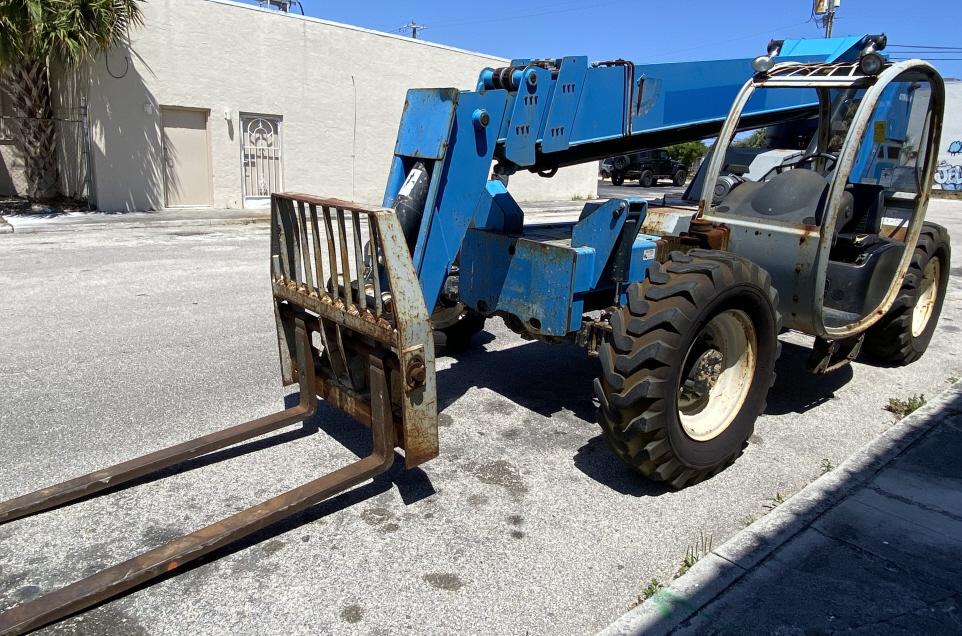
[872, 547]
[31, 223]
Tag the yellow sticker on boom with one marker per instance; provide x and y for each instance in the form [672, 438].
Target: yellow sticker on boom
[880, 131]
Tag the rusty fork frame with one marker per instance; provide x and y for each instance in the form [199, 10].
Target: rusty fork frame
[388, 335]
[150, 565]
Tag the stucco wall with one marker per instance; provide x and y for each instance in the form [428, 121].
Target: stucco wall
[11, 170]
[11, 165]
[339, 89]
[948, 175]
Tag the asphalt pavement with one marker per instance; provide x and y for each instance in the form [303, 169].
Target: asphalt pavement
[123, 341]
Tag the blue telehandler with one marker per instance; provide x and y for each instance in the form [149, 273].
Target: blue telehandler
[681, 300]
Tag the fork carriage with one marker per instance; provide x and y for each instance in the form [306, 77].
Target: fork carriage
[352, 329]
[344, 270]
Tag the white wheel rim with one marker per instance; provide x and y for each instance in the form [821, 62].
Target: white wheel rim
[925, 305]
[713, 392]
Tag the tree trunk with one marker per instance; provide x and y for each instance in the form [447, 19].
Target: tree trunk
[28, 85]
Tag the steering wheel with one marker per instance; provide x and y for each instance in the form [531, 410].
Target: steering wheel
[804, 159]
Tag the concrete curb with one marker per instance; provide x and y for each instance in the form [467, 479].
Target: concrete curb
[725, 565]
[126, 225]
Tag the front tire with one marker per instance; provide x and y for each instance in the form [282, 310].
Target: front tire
[903, 334]
[689, 365]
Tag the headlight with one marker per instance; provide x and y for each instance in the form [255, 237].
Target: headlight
[763, 64]
[871, 64]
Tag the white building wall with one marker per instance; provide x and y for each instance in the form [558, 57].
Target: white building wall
[948, 175]
[339, 90]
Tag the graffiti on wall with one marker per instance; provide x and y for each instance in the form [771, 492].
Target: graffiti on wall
[948, 176]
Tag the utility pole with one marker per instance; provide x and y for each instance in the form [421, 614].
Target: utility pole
[413, 27]
[825, 9]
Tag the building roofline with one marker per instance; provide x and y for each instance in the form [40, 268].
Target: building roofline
[351, 27]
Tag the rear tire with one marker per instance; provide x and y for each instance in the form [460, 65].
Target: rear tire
[903, 334]
[680, 177]
[689, 365]
[646, 179]
[617, 178]
[459, 335]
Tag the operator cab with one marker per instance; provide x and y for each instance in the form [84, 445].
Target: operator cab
[831, 222]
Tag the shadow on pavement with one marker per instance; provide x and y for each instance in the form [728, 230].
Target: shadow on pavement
[795, 389]
[873, 548]
[544, 378]
[597, 461]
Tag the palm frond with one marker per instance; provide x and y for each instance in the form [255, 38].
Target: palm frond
[70, 31]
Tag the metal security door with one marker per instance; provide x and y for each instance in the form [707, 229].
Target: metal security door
[187, 177]
[260, 159]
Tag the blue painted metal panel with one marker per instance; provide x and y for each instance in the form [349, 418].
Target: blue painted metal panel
[600, 231]
[687, 93]
[529, 279]
[585, 279]
[526, 115]
[564, 104]
[426, 122]
[498, 211]
[394, 180]
[603, 105]
[643, 252]
[843, 49]
[462, 180]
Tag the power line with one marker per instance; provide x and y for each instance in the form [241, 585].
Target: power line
[924, 46]
[663, 54]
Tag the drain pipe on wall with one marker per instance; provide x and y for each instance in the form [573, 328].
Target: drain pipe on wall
[88, 166]
[354, 142]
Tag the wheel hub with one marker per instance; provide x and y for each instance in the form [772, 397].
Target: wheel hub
[928, 294]
[718, 373]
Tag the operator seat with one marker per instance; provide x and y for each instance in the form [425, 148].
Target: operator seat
[869, 206]
[794, 196]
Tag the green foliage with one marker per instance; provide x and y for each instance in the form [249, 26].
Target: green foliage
[901, 408]
[695, 552]
[653, 588]
[68, 31]
[754, 140]
[775, 501]
[687, 153]
[827, 466]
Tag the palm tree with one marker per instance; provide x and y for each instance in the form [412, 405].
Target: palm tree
[34, 34]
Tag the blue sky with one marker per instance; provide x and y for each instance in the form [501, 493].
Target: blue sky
[650, 31]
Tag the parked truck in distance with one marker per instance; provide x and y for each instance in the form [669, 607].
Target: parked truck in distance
[647, 166]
